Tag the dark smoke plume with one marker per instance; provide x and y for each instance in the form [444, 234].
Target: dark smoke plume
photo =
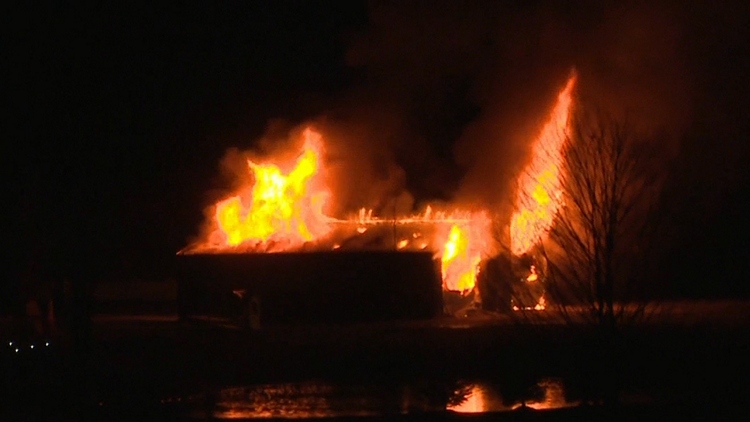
[456, 91]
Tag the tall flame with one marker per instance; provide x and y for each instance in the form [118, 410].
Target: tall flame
[460, 260]
[539, 194]
[282, 207]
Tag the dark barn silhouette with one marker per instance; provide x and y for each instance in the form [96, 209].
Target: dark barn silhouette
[261, 289]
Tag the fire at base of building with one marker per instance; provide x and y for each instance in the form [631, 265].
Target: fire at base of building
[263, 290]
[528, 288]
[282, 211]
[366, 269]
[508, 283]
[369, 278]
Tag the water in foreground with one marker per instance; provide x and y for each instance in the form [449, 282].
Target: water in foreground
[321, 399]
[143, 369]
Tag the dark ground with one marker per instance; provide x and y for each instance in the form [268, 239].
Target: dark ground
[689, 360]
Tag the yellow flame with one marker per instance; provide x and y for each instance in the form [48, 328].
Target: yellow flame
[282, 210]
[533, 276]
[541, 304]
[539, 193]
[282, 206]
[459, 241]
[459, 264]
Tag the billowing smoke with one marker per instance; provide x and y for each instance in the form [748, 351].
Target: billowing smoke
[449, 95]
[358, 163]
[445, 99]
[464, 86]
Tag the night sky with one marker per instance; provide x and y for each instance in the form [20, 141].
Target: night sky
[119, 115]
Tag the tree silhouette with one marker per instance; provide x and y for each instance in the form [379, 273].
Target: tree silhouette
[598, 252]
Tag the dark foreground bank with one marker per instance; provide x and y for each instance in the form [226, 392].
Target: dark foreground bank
[157, 367]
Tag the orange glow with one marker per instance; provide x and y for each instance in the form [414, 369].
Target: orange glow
[462, 252]
[541, 305]
[458, 238]
[539, 193]
[283, 209]
[554, 396]
[475, 402]
[533, 276]
[459, 266]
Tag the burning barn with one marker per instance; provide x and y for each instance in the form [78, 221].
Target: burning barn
[364, 269]
[270, 251]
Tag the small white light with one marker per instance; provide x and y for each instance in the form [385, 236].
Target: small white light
[32, 346]
[10, 343]
[16, 350]
[46, 344]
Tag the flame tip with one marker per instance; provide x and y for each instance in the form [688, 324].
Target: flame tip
[540, 195]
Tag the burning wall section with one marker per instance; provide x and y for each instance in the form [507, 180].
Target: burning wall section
[283, 208]
[282, 211]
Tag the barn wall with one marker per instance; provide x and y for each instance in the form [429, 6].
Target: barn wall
[351, 286]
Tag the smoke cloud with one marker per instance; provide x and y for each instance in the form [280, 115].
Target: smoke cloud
[455, 92]
[448, 96]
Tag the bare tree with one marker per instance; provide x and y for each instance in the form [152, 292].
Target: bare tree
[597, 251]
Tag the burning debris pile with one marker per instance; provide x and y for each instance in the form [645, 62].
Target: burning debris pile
[283, 209]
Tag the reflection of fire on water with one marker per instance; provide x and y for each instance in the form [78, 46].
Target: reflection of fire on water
[324, 400]
[553, 398]
[482, 398]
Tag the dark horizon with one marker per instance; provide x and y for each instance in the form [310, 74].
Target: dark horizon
[121, 114]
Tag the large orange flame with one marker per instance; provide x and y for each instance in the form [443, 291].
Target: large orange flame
[539, 194]
[282, 211]
[283, 208]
